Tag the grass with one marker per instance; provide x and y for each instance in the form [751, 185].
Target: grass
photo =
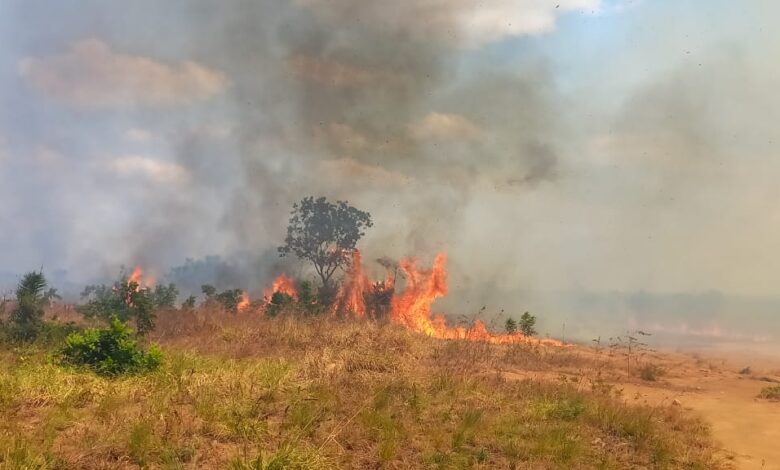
[251, 393]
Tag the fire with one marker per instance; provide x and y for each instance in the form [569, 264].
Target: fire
[137, 276]
[243, 304]
[411, 308]
[284, 285]
[350, 297]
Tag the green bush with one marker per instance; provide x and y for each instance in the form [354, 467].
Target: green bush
[32, 297]
[110, 351]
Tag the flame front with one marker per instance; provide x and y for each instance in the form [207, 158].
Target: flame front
[410, 308]
[350, 297]
[137, 276]
[244, 303]
[284, 285]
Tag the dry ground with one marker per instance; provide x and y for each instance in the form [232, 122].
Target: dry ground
[247, 392]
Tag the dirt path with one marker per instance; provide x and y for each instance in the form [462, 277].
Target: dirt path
[747, 428]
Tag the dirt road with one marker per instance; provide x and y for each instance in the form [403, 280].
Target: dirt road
[747, 428]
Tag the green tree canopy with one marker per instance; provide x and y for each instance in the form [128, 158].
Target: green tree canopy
[325, 234]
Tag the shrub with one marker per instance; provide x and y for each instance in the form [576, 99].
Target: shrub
[650, 372]
[770, 393]
[510, 326]
[26, 320]
[229, 299]
[279, 303]
[110, 351]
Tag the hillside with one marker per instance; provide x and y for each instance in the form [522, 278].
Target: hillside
[250, 392]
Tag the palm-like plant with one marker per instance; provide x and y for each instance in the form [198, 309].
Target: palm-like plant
[31, 298]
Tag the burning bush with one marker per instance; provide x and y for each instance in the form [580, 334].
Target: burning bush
[128, 300]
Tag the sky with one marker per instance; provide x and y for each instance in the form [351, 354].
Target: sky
[587, 146]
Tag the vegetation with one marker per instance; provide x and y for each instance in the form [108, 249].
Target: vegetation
[110, 351]
[527, 324]
[325, 234]
[280, 302]
[650, 372]
[770, 393]
[126, 300]
[229, 299]
[302, 392]
[26, 320]
[510, 326]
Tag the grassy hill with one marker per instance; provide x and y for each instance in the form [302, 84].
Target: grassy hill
[246, 392]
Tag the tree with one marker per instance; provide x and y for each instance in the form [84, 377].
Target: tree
[510, 326]
[189, 304]
[164, 296]
[208, 290]
[31, 299]
[229, 299]
[307, 298]
[527, 323]
[125, 299]
[325, 234]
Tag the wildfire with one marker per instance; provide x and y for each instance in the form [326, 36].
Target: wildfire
[350, 297]
[411, 308]
[243, 304]
[137, 276]
[284, 285]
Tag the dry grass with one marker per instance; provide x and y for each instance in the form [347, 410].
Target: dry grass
[770, 393]
[253, 393]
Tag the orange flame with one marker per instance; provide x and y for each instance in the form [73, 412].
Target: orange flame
[243, 304]
[350, 297]
[412, 307]
[284, 285]
[137, 276]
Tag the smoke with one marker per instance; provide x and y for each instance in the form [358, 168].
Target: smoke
[359, 101]
[577, 144]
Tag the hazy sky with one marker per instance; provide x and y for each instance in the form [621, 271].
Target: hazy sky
[553, 145]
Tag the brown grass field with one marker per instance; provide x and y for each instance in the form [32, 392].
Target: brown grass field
[247, 392]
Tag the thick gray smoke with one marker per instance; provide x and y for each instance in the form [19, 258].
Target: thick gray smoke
[581, 146]
[360, 101]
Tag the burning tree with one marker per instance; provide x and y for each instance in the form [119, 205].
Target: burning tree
[325, 234]
[126, 299]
